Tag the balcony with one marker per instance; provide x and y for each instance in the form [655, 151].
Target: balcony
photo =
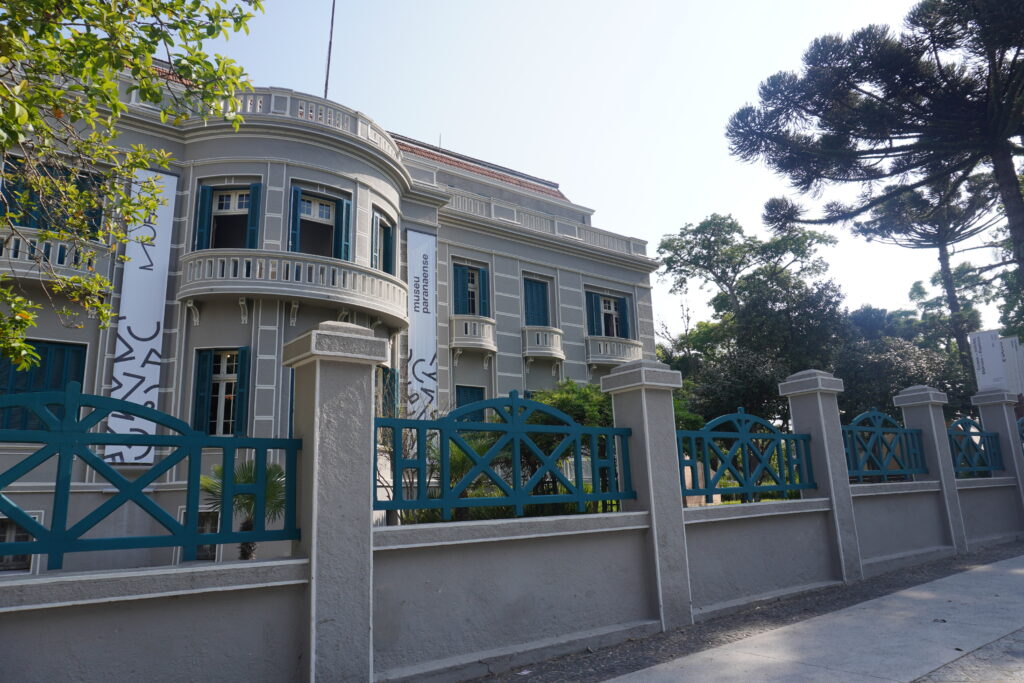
[613, 350]
[26, 256]
[296, 277]
[472, 332]
[542, 342]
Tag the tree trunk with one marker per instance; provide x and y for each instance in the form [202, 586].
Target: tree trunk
[247, 550]
[956, 317]
[1013, 202]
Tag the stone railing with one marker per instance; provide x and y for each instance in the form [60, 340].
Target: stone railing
[472, 332]
[613, 350]
[542, 342]
[26, 255]
[485, 207]
[292, 275]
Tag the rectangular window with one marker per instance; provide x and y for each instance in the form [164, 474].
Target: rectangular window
[464, 396]
[470, 291]
[228, 218]
[221, 394]
[17, 197]
[535, 302]
[607, 316]
[382, 244]
[387, 387]
[12, 533]
[59, 364]
[320, 226]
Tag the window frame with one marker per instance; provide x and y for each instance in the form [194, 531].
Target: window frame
[218, 551]
[34, 564]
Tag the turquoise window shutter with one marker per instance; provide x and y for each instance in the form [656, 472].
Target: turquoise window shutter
[242, 393]
[593, 314]
[460, 289]
[204, 211]
[624, 318]
[293, 232]
[343, 229]
[201, 390]
[387, 249]
[375, 241]
[252, 228]
[535, 297]
[58, 365]
[485, 294]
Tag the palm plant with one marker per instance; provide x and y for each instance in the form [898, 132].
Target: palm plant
[244, 503]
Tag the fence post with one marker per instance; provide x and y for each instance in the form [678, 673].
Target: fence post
[642, 401]
[922, 409]
[333, 366]
[996, 408]
[814, 410]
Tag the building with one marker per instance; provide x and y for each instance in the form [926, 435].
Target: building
[482, 278]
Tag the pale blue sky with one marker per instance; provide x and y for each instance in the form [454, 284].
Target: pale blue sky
[622, 103]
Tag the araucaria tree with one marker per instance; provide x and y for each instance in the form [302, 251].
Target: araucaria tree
[67, 70]
[939, 217]
[890, 113]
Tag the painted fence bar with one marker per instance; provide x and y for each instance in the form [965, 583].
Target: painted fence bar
[67, 425]
[879, 449]
[743, 455]
[976, 453]
[527, 453]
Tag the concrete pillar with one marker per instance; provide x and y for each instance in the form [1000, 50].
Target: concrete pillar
[814, 410]
[334, 377]
[997, 415]
[922, 409]
[642, 401]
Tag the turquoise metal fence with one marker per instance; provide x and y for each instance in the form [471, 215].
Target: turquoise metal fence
[740, 456]
[975, 452]
[503, 452]
[68, 426]
[879, 449]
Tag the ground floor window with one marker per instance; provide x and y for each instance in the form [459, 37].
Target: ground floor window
[221, 392]
[12, 533]
[59, 364]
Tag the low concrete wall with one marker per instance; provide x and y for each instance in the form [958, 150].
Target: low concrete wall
[449, 598]
[743, 553]
[899, 524]
[991, 509]
[227, 622]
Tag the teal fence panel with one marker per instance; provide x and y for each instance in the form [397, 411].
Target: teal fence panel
[740, 456]
[879, 449]
[976, 453]
[503, 452]
[1020, 430]
[68, 425]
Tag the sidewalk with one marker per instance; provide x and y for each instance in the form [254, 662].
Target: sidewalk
[989, 568]
[909, 634]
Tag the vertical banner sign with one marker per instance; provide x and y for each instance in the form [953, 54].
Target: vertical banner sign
[139, 349]
[989, 363]
[421, 399]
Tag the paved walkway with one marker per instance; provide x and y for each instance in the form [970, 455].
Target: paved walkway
[1001, 658]
[964, 627]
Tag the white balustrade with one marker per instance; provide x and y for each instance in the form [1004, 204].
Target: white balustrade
[292, 275]
[613, 350]
[25, 253]
[472, 332]
[542, 342]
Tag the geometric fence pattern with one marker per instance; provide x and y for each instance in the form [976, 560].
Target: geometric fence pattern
[879, 449]
[506, 452]
[743, 457]
[65, 429]
[975, 452]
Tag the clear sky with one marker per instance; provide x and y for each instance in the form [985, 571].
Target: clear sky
[624, 104]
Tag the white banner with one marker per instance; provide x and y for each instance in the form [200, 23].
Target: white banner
[989, 364]
[139, 350]
[421, 399]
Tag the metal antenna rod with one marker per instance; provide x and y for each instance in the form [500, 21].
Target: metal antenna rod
[330, 45]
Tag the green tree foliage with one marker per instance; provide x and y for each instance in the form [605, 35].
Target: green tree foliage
[890, 113]
[67, 70]
[938, 217]
[245, 504]
[584, 403]
[771, 317]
